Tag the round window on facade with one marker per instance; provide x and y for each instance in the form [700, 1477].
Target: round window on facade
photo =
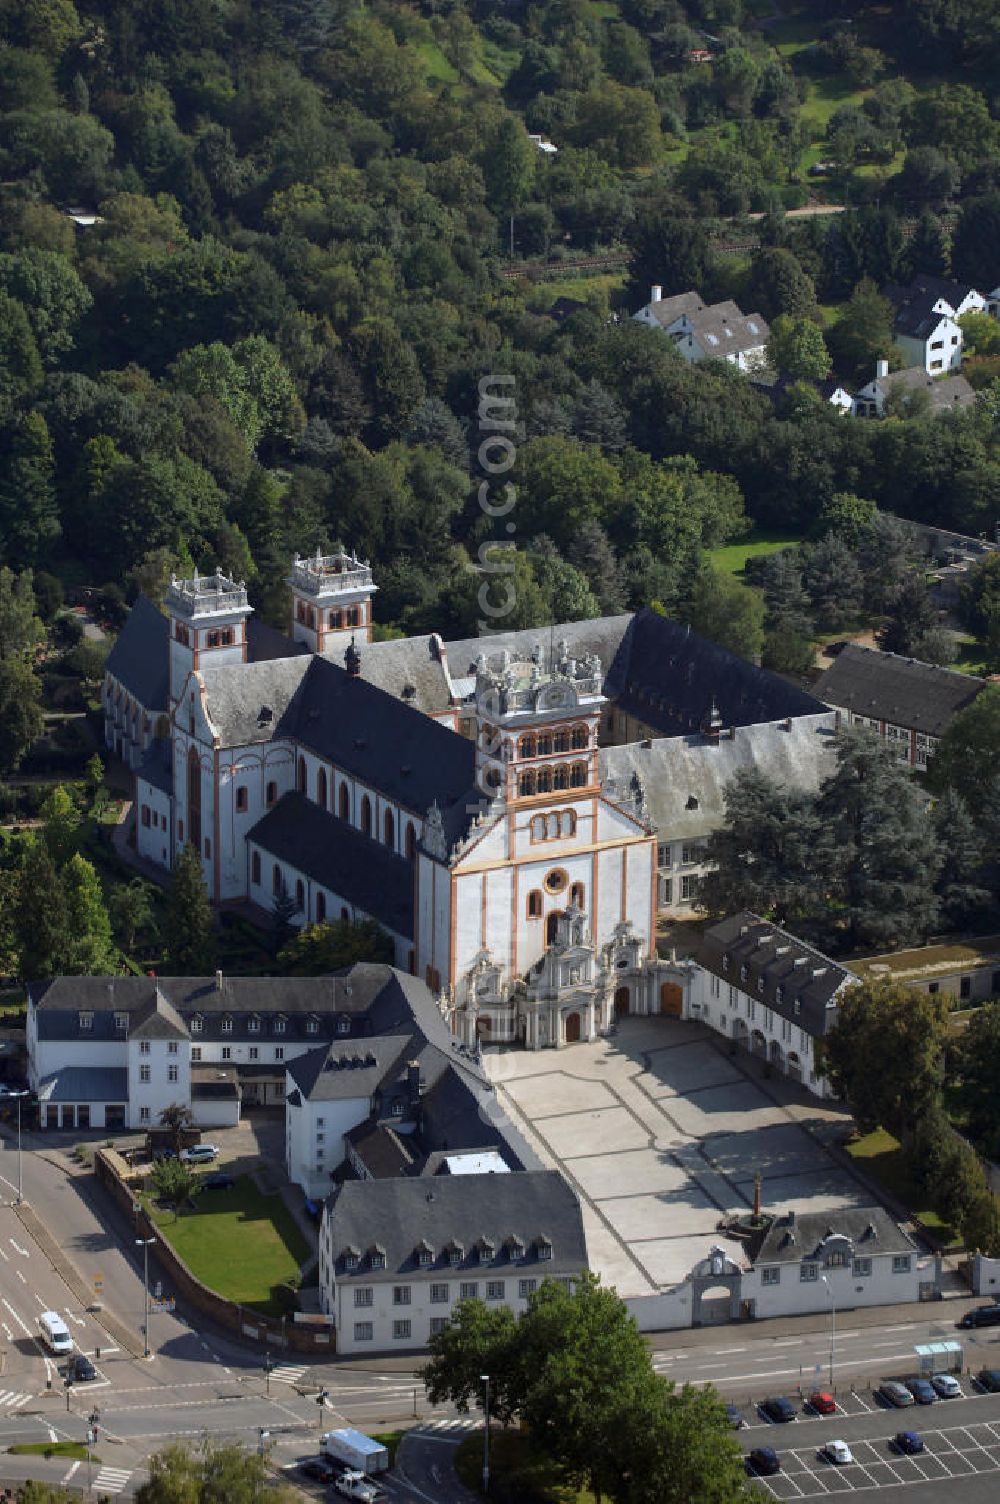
[556, 880]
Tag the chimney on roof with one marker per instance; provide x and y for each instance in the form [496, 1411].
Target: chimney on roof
[656, 293]
[352, 660]
[218, 981]
[712, 724]
[881, 369]
[413, 1080]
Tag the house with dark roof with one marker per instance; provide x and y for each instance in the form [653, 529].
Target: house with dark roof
[856, 1255]
[715, 331]
[768, 992]
[396, 1256]
[909, 704]
[134, 688]
[926, 326]
[916, 391]
[468, 796]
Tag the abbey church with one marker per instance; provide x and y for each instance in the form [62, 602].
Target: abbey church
[515, 810]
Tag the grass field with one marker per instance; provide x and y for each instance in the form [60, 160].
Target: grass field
[74, 1449]
[239, 1243]
[880, 1156]
[971, 657]
[608, 284]
[732, 558]
[511, 1452]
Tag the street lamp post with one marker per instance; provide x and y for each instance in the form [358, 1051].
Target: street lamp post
[19, 1095]
[268, 1365]
[321, 1400]
[833, 1323]
[486, 1433]
[145, 1244]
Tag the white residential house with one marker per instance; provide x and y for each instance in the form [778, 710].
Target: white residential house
[992, 303]
[717, 331]
[943, 393]
[926, 325]
[397, 1256]
[854, 1256]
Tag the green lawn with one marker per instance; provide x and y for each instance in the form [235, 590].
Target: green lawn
[543, 294]
[239, 1243]
[74, 1449]
[880, 1156]
[732, 557]
[825, 97]
[971, 656]
[512, 1455]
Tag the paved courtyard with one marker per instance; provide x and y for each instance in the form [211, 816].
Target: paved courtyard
[661, 1132]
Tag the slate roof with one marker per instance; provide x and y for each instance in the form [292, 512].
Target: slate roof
[343, 1070]
[331, 852]
[944, 393]
[669, 310]
[355, 1003]
[139, 658]
[85, 1083]
[776, 969]
[398, 1214]
[214, 1083]
[410, 668]
[157, 1019]
[265, 642]
[685, 777]
[380, 1149]
[924, 291]
[722, 329]
[156, 767]
[903, 691]
[668, 677]
[800, 1235]
[246, 701]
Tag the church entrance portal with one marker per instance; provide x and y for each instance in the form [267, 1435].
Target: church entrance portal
[621, 1002]
[572, 1028]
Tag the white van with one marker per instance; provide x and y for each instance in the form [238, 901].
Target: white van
[55, 1333]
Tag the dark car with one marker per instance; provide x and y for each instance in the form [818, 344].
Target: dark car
[894, 1393]
[907, 1442]
[922, 1390]
[80, 1369]
[989, 1379]
[981, 1316]
[822, 1403]
[763, 1462]
[778, 1409]
[320, 1468]
[735, 1416]
[218, 1181]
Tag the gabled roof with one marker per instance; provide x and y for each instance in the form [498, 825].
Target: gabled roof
[925, 290]
[139, 658]
[330, 851]
[722, 330]
[380, 1149]
[347, 1069]
[794, 979]
[157, 1019]
[801, 1235]
[668, 310]
[902, 691]
[396, 1215]
[85, 1083]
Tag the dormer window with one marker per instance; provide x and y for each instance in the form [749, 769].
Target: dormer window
[425, 1255]
[779, 995]
[797, 1007]
[396, 1108]
[743, 973]
[516, 1248]
[760, 984]
[196, 1023]
[253, 1023]
[351, 1257]
[121, 1021]
[312, 1024]
[343, 1025]
[455, 1253]
[725, 961]
[227, 1024]
[279, 1024]
[543, 1248]
[487, 1251]
[377, 1258]
[86, 1020]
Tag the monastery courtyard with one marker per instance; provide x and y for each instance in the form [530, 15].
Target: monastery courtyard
[660, 1131]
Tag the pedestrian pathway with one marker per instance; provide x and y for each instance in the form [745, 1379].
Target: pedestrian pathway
[112, 1480]
[457, 1423]
[13, 1399]
[287, 1373]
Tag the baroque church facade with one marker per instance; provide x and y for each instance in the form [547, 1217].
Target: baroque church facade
[515, 810]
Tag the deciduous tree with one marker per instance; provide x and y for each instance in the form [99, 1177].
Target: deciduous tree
[190, 938]
[885, 1054]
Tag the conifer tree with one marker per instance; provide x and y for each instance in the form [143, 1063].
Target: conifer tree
[190, 938]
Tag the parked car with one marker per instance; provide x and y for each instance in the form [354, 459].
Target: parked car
[219, 1180]
[822, 1403]
[778, 1409]
[319, 1468]
[989, 1379]
[762, 1462]
[981, 1316]
[922, 1390]
[838, 1452]
[895, 1394]
[947, 1386]
[199, 1154]
[735, 1416]
[907, 1442]
[80, 1369]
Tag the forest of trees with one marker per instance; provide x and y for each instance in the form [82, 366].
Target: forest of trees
[273, 335]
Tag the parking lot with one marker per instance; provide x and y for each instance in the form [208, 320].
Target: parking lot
[961, 1438]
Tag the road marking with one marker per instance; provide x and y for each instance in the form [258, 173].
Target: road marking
[13, 1399]
[72, 1469]
[25, 1329]
[7, 1331]
[725, 1352]
[18, 1249]
[287, 1373]
[77, 1320]
[111, 1480]
[52, 1434]
[4, 1256]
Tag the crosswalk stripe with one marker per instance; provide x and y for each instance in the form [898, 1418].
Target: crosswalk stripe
[113, 1478]
[13, 1397]
[287, 1374]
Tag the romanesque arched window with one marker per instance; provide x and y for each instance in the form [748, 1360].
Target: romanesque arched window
[577, 895]
[300, 782]
[345, 803]
[581, 738]
[561, 776]
[321, 787]
[255, 868]
[389, 828]
[320, 907]
[527, 746]
[560, 741]
[533, 907]
[411, 840]
[544, 780]
[300, 894]
[526, 783]
[578, 775]
[366, 816]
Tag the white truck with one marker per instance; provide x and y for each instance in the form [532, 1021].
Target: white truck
[358, 1451]
[354, 1485]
